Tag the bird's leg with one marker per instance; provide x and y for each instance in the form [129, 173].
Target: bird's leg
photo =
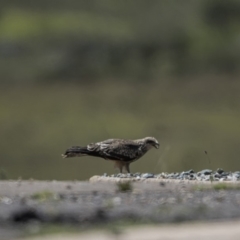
[119, 165]
[127, 167]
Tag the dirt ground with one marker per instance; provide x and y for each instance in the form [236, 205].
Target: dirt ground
[197, 231]
[149, 210]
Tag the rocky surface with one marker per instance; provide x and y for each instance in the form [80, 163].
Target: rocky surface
[25, 206]
[203, 175]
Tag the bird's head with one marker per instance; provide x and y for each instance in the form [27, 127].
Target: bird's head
[152, 142]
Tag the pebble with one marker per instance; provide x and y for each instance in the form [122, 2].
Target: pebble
[148, 175]
[205, 172]
[203, 175]
[219, 171]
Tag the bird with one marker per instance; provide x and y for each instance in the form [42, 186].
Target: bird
[121, 151]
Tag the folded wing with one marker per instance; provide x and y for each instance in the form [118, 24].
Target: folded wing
[122, 151]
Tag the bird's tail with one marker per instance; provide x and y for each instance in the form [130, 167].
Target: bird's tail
[76, 151]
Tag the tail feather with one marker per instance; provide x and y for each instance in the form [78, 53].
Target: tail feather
[75, 151]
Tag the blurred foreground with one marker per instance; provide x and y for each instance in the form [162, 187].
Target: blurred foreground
[200, 231]
[40, 207]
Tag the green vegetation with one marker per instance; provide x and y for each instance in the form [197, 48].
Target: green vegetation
[98, 39]
[216, 186]
[124, 186]
[226, 186]
[43, 196]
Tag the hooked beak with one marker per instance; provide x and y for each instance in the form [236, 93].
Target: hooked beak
[156, 145]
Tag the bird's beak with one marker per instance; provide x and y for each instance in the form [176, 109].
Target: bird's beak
[156, 145]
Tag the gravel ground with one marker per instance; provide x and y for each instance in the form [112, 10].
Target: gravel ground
[203, 175]
[27, 205]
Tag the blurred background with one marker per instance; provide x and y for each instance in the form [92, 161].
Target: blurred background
[74, 72]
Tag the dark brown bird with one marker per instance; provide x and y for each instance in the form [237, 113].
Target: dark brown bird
[121, 151]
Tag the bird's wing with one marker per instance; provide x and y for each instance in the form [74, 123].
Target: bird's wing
[102, 145]
[122, 150]
[110, 142]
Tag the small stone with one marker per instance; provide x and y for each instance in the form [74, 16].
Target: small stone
[224, 174]
[235, 177]
[205, 172]
[192, 177]
[163, 175]
[148, 175]
[206, 178]
[123, 175]
[129, 175]
[182, 174]
[171, 175]
[137, 174]
[198, 178]
[189, 171]
[222, 179]
[229, 178]
[219, 171]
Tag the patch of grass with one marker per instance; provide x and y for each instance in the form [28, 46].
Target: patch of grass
[225, 186]
[199, 188]
[22, 24]
[217, 187]
[125, 186]
[43, 196]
